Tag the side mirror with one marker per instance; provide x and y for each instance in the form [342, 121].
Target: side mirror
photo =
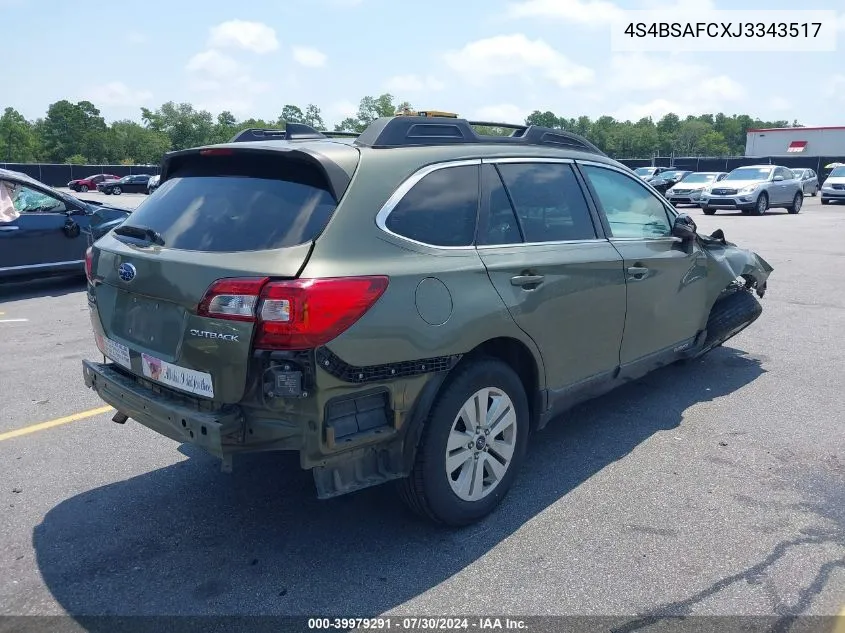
[71, 229]
[684, 227]
[777, 178]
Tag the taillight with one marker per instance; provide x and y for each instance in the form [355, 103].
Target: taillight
[89, 263]
[294, 314]
[232, 299]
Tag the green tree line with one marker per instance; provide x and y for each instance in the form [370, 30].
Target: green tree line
[77, 132]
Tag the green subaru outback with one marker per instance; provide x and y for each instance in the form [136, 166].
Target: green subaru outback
[406, 304]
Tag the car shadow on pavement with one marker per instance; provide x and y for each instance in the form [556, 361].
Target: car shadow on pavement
[187, 539]
[47, 287]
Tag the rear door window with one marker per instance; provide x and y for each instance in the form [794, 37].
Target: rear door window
[441, 209]
[246, 202]
[548, 201]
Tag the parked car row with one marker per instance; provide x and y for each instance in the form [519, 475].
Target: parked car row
[110, 184]
[751, 189]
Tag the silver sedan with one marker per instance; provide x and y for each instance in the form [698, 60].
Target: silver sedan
[809, 180]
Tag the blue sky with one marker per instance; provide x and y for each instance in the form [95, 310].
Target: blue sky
[490, 59]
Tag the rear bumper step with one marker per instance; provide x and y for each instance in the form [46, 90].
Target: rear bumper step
[212, 431]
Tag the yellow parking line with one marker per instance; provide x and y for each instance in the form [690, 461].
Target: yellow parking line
[839, 622]
[41, 426]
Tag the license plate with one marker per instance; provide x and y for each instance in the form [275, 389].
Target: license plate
[117, 352]
[181, 378]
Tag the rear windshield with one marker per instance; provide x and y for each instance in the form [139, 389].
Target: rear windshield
[243, 202]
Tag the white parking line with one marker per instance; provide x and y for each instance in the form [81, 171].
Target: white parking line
[13, 320]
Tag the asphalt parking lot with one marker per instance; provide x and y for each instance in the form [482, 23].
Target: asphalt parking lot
[716, 487]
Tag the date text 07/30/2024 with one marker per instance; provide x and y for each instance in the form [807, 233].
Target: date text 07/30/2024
[417, 624]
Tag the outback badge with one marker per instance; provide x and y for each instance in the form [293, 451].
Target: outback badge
[126, 271]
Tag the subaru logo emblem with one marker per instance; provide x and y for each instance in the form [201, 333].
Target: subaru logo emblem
[126, 272]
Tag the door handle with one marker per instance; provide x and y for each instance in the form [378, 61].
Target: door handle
[9, 228]
[527, 280]
[637, 272]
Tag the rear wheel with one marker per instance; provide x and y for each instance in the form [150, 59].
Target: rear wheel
[797, 203]
[117, 191]
[762, 204]
[472, 446]
[815, 191]
[83, 188]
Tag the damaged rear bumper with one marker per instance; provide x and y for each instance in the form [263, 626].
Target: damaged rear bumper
[218, 432]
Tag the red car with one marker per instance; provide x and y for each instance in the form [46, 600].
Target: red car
[84, 184]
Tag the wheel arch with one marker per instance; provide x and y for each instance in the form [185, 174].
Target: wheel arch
[525, 362]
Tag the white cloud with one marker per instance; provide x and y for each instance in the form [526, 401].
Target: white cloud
[403, 84]
[515, 54]
[835, 88]
[310, 57]
[214, 64]
[641, 82]
[635, 72]
[592, 12]
[501, 113]
[217, 82]
[117, 93]
[672, 6]
[779, 104]
[251, 36]
[342, 109]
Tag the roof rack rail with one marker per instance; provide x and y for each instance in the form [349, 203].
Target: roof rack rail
[292, 132]
[407, 131]
[417, 131]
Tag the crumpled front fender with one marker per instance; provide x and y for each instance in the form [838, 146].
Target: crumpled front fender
[728, 262]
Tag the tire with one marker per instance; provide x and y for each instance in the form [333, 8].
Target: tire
[825, 201]
[815, 192]
[729, 316]
[117, 191]
[708, 210]
[430, 491]
[84, 189]
[762, 204]
[797, 203]
[107, 192]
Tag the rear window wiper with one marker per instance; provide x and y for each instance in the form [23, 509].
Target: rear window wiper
[141, 233]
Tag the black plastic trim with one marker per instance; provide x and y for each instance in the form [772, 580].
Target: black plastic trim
[330, 363]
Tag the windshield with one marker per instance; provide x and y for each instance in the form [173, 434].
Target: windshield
[750, 173]
[838, 172]
[700, 178]
[798, 173]
[644, 171]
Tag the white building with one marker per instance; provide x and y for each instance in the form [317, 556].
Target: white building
[796, 141]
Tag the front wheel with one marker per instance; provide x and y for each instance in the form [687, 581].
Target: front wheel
[762, 204]
[708, 210]
[825, 201]
[472, 445]
[797, 203]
